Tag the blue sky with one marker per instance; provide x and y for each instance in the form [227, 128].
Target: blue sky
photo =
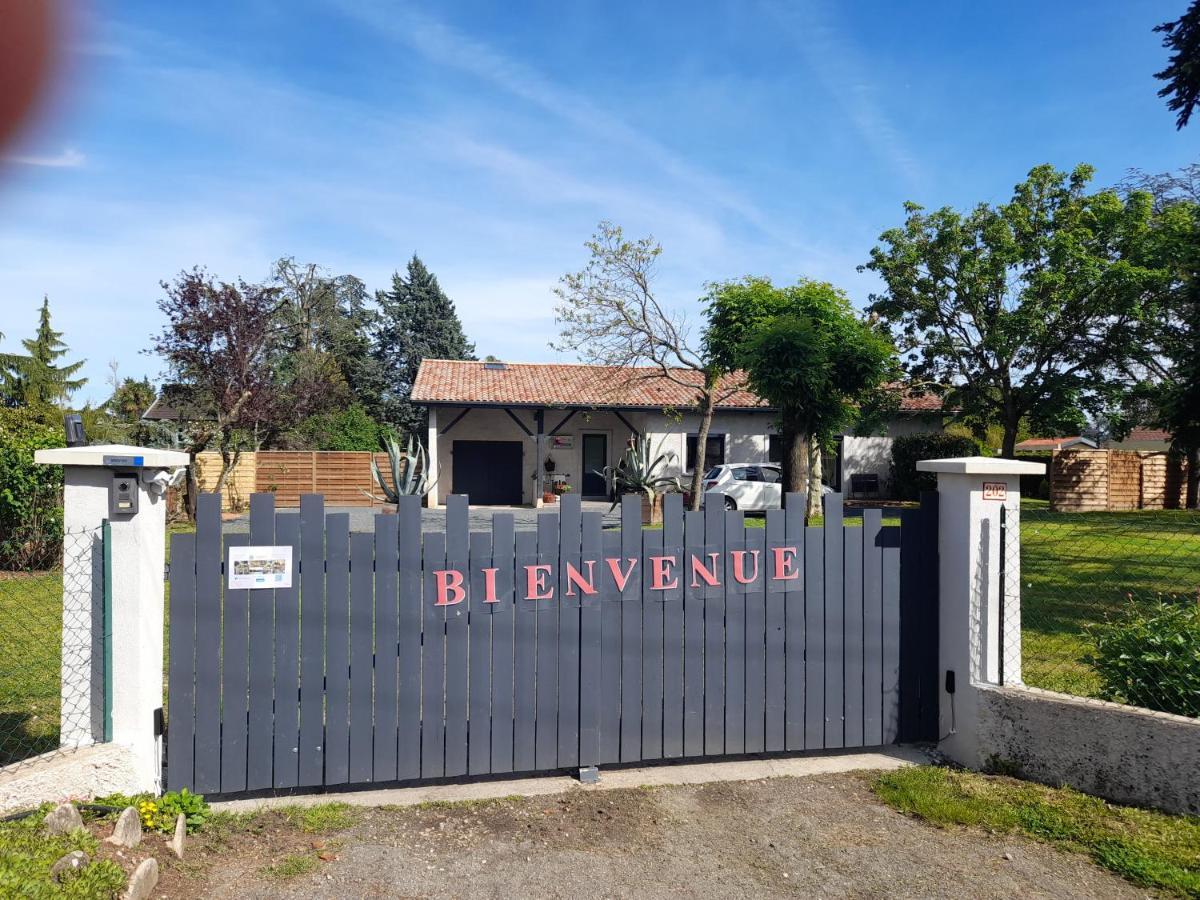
[748, 137]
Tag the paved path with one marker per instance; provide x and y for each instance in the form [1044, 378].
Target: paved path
[362, 518]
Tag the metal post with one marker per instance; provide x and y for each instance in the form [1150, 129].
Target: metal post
[539, 417]
[106, 536]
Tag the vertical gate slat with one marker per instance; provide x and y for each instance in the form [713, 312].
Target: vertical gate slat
[208, 643]
[891, 633]
[910, 627]
[652, 651]
[235, 677]
[835, 600]
[673, 630]
[457, 558]
[337, 649]
[589, 644]
[693, 637]
[756, 678]
[362, 663]
[775, 671]
[814, 638]
[631, 631]
[570, 523]
[503, 619]
[260, 750]
[872, 629]
[852, 582]
[181, 684]
[312, 640]
[546, 701]
[735, 637]
[929, 619]
[795, 601]
[383, 761]
[525, 658]
[433, 662]
[287, 659]
[610, 656]
[410, 608]
[714, 629]
[479, 624]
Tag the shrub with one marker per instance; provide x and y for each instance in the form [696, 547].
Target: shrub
[30, 495]
[1151, 658]
[349, 429]
[908, 449]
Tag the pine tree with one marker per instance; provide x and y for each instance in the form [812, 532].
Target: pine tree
[416, 321]
[35, 380]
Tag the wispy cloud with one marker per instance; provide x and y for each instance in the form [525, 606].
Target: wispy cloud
[449, 47]
[68, 158]
[844, 71]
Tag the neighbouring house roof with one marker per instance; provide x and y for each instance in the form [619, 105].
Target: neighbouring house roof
[1149, 434]
[1055, 443]
[171, 405]
[443, 381]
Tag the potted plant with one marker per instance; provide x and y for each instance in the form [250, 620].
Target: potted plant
[642, 471]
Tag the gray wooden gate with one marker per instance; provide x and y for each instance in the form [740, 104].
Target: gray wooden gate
[564, 647]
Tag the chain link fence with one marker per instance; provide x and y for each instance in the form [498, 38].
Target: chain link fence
[48, 618]
[1110, 605]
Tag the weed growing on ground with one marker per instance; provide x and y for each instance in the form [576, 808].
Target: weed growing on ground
[1149, 848]
[292, 866]
[321, 818]
[27, 852]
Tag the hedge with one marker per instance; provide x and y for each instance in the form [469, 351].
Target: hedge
[30, 495]
[908, 449]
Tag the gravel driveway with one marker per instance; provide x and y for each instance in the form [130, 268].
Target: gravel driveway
[818, 836]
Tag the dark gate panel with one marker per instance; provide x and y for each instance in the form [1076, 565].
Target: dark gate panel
[489, 472]
[400, 655]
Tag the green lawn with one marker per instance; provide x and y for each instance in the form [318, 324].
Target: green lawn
[1151, 849]
[1080, 568]
[30, 654]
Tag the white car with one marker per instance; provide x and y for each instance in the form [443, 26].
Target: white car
[749, 486]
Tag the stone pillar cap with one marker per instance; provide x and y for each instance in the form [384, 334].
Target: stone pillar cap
[117, 456]
[981, 465]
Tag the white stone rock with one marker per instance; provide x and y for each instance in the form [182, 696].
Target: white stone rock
[63, 818]
[128, 830]
[143, 880]
[176, 842]
[70, 862]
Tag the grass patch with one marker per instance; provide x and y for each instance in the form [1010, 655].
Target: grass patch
[27, 853]
[322, 818]
[1082, 568]
[292, 866]
[1148, 848]
[483, 803]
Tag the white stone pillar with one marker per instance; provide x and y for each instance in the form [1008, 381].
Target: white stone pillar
[971, 493]
[137, 553]
[434, 498]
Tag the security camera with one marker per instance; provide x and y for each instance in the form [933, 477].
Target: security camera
[158, 480]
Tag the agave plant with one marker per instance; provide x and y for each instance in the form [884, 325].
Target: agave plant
[641, 471]
[411, 475]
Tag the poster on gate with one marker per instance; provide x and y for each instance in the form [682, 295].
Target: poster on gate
[259, 567]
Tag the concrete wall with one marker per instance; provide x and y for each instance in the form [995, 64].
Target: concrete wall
[1122, 753]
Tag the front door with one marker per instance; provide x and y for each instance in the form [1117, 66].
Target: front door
[593, 484]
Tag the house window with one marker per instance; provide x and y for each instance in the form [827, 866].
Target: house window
[775, 448]
[714, 451]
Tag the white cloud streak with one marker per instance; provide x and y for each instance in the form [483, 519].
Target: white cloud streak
[68, 158]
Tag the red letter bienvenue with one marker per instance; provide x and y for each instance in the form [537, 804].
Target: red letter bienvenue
[621, 578]
[449, 582]
[739, 566]
[535, 583]
[698, 569]
[785, 558]
[660, 570]
[489, 586]
[575, 578]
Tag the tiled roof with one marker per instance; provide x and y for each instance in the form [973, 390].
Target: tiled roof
[1149, 434]
[1054, 443]
[576, 384]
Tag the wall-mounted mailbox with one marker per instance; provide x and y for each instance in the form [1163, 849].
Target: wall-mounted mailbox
[123, 495]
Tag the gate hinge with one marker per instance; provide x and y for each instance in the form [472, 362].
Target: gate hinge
[166, 571]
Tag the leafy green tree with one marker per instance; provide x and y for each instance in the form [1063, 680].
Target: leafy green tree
[416, 321]
[1182, 74]
[37, 379]
[1164, 364]
[351, 428]
[806, 352]
[30, 494]
[1025, 310]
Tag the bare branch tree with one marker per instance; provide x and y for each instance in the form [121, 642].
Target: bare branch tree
[610, 316]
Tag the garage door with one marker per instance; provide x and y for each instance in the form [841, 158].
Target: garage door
[489, 472]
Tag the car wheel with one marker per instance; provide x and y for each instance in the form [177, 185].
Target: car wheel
[729, 503]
